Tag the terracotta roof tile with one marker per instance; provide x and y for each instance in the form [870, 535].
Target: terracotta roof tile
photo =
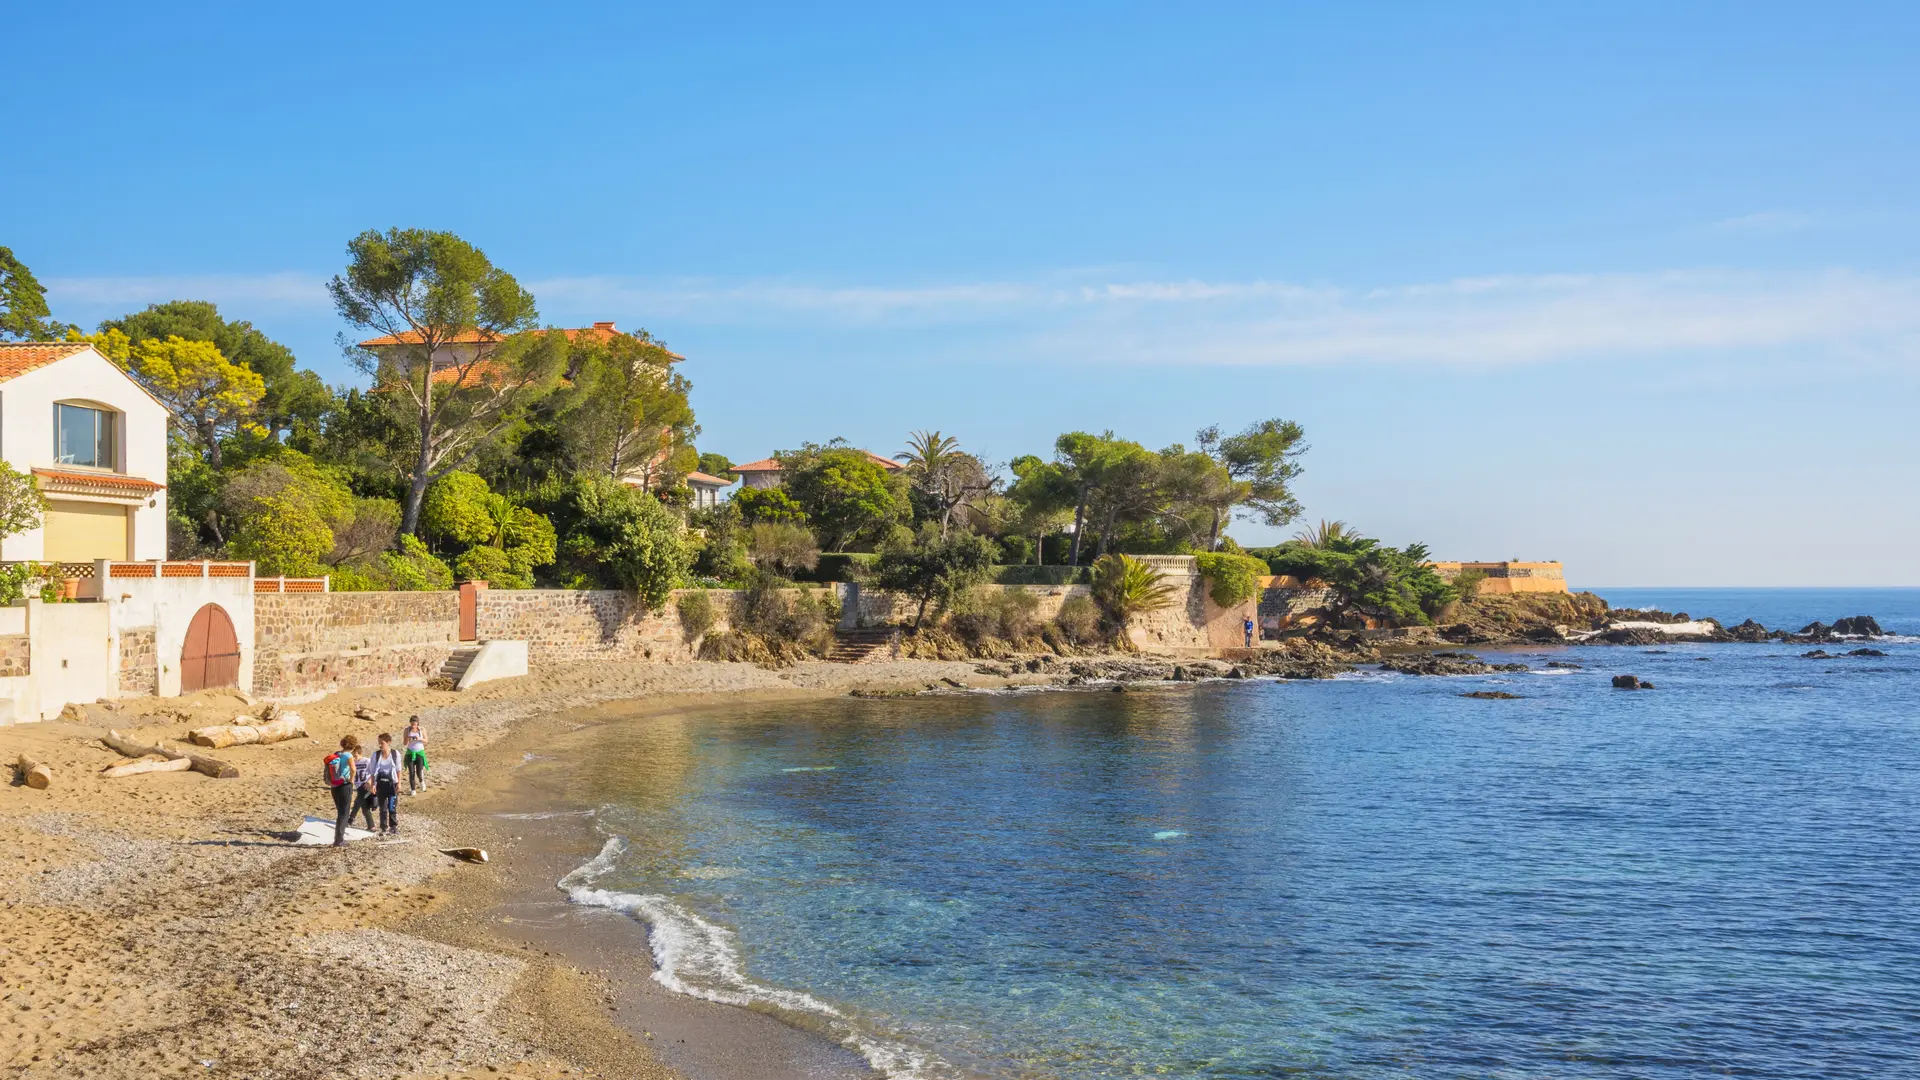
[19, 357]
[476, 337]
[111, 483]
[773, 464]
[707, 478]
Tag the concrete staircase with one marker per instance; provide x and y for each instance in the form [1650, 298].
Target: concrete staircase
[456, 664]
[863, 646]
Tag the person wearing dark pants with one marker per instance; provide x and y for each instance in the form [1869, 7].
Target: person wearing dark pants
[337, 771]
[1247, 627]
[383, 768]
[416, 756]
[363, 798]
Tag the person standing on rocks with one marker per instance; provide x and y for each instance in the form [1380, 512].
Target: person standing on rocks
[337, 771]
[1246, 627]
[416, 741]
[384, 770]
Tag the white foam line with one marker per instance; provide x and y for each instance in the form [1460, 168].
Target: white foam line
[701, 959]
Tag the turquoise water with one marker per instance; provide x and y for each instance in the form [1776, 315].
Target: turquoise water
[1369, 877]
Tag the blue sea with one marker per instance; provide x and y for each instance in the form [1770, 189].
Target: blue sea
[1368, 877]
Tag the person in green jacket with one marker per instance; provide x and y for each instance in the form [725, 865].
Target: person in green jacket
[416, 745]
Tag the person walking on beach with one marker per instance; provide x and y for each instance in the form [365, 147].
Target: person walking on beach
[1246, 626]
[383, 768]
[362, 786]
[416, 742]
[337, 771]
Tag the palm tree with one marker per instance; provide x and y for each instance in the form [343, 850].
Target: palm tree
[1125, 587]
[928, 453]
[942, 471]
[1325, 534]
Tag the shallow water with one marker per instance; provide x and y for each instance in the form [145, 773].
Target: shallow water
[1368, 877]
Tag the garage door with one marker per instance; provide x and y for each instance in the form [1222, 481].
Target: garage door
[82, 532]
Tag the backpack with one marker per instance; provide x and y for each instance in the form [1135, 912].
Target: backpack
[339, 768]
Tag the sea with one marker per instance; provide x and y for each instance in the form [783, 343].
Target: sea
[1367, 877]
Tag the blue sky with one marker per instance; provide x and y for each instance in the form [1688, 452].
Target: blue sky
[1635, 288]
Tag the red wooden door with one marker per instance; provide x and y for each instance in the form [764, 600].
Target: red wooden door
[211, 655]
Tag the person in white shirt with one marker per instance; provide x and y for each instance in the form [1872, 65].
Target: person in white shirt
[416, 756]
[383, 768]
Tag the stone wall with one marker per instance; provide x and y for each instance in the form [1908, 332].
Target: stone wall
[310, 644]
[591, 624]
[1506, 578]
[16, 653]
[872, 607]
[139, 660]
[1285, 607]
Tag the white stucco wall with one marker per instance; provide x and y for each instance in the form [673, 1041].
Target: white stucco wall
[168, 604]
[26, 440]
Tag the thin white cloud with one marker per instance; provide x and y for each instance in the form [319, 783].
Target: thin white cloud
[1766, 221]
[286, 291]
[1486, 320]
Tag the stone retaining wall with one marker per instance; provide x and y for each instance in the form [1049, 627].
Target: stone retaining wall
[139, 660]
[16, 655]
[310, 644]
[591, 624]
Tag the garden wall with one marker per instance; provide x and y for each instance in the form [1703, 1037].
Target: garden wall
[310, 644]
[590, 624]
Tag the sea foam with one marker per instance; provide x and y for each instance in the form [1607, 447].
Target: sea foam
[701, 959]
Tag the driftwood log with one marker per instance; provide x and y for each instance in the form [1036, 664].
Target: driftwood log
[287, 727]
[37, 776]
[466, 854]
[150, 763]
[211, 766]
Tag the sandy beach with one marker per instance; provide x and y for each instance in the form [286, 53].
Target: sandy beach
[162, 924]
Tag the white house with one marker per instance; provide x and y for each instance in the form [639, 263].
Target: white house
[706, 489]
[95, 442]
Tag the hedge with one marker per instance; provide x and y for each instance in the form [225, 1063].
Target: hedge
[1028, 574]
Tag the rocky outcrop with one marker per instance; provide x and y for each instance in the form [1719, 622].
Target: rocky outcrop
[1749, 631]
[1444, 663]
[1491, 695]
[1630, 682]
[1857, 626]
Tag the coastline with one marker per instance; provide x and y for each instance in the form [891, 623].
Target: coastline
[189, 935]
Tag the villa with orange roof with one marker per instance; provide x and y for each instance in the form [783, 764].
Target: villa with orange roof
[95, 442]
[765, 473]
[458, 354]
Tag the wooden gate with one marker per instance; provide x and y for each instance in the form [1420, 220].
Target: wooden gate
[211, 656]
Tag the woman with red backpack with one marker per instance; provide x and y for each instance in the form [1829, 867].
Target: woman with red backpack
[337, 771]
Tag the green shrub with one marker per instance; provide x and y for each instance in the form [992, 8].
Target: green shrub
[458, 510]
[1079, 620]
[1467, 583]
[842, 566]
[415, 569]
[695, 609]
[1232, 579]
[984, 613]
[624, 537]
[491, 565]
[756, 505]
[1042, 575]
[933, 569]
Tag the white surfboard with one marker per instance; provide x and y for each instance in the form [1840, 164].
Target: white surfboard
[320, 831]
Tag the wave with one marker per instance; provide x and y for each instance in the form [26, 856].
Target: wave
[701, 959]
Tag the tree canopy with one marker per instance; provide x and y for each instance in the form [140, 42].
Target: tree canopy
[23, 304]
[461, 367]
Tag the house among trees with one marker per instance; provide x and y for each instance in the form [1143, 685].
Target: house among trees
[464, 348]
[706, 489]
[95, 443]
[765, 473]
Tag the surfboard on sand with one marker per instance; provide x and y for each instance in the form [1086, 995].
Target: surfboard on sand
[320, 831]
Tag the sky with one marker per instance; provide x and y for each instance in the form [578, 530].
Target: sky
[1634, 287]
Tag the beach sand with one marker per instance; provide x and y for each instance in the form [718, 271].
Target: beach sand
[161, 924]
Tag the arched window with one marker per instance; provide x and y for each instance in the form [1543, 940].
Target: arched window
[83, 434]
